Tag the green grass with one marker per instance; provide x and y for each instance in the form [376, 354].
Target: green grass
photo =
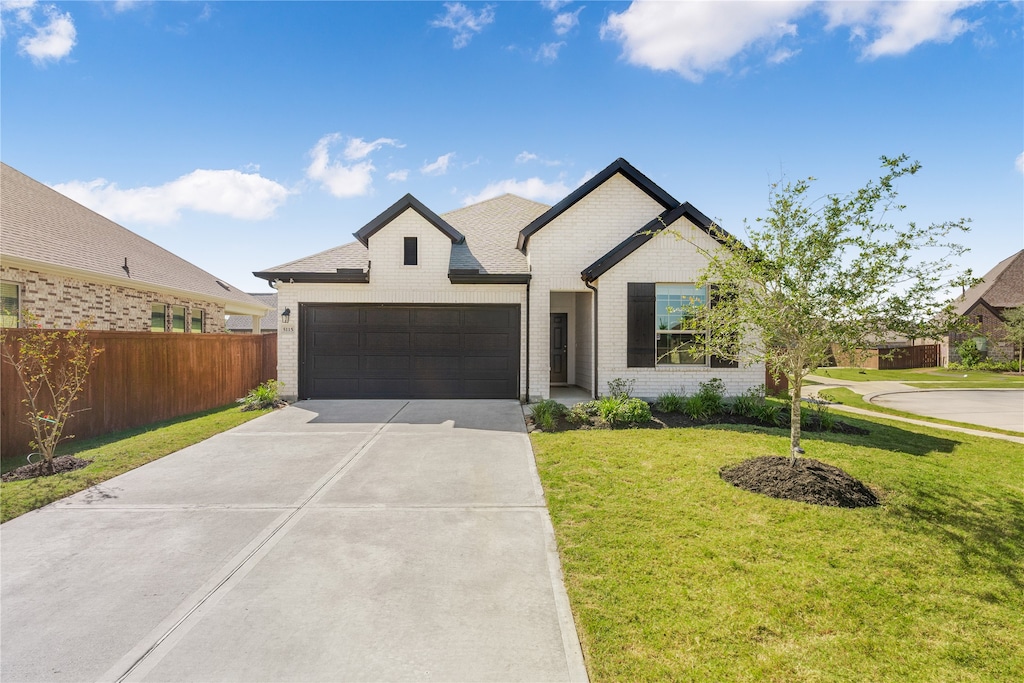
[1012, 383]
[848, 397]
[675, 575]
[115, 454]
[963, 378]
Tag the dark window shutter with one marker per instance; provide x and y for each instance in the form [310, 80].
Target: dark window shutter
[411, 257]
[640, 351]
[716, 361]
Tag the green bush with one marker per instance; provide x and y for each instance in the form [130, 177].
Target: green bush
[768, 412]
[970, 354]
[630, 412]
[263, 396]
[989, 365]
[582, 412]
[712, 393]
[606, 407]
[696, 407]
[546, 413]
[670, 403]
[621, 388]
[746, 403]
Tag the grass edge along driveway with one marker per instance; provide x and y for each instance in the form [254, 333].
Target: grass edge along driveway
[117, 453]
[675, 575]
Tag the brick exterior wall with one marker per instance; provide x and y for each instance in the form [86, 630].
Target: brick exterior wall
[991, 327]
[560, 251]
[61, 302]
[393, 283]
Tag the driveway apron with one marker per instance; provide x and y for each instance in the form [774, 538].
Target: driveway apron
[328, 541]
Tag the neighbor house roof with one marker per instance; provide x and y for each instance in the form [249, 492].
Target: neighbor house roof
[44, 230]
[1002, 287]
[267, 322]
[620, 165]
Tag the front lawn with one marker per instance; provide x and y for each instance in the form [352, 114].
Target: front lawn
[675, 575]
[920, 376]
[115, 454]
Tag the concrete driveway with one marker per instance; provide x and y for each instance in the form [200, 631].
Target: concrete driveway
[999, 408]
[329, 541]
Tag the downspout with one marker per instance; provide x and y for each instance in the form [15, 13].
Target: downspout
[527, 342]
[594, 290]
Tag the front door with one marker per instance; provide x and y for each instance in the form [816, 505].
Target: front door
[559, 348]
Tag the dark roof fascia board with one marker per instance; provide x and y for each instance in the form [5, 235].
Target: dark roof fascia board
[399, 207]
[644, 234]
[342, 275]
[477, 278]
[991, 309]
[620, 165]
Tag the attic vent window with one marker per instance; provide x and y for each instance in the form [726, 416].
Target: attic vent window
[223, 285]
[411, 255]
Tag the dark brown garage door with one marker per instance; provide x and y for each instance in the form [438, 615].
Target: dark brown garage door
[386, 351]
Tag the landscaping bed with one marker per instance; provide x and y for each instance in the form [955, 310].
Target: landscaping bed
[61, 463]
[806, 480]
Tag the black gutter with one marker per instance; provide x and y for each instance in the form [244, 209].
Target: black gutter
[341, 275]
[475, 277]
[594, 290]
[527, 343]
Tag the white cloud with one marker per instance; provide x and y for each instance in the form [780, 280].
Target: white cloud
[554, 5]
[439, 167]
[782, 55]
[531, 188]
[125, 5]
[399, 176]
[525, 157]
[354, 180]
[896, 28]
[464, 22]
[548, 52]
[357, 148]
[1020, 163]
[566, 21]
[695, 38]
[51, 41]
[232, 193]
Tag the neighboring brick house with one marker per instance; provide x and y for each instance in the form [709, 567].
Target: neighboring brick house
[504, 299]
[986, 303]
[66, 263]
[242, 324]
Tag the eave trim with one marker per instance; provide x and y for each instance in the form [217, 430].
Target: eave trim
[396, 210]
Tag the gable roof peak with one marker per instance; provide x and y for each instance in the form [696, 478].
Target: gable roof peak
[620, 165]
[398, 208]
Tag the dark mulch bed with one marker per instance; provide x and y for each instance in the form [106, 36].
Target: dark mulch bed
[62, 463]
[808, 481]
[663, 420]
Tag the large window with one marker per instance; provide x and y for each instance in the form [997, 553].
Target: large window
[197, 320]
[158, 318]
[676, 335]
[177, 318]
[10, 305]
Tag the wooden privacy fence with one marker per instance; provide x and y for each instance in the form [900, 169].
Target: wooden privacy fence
[145, 377]
[898, 358]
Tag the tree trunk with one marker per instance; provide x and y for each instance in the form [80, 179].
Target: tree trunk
[795, 384]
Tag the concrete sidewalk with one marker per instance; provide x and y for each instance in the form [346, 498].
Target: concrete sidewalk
[329, 541]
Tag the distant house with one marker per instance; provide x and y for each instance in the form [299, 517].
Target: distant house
[242, 324]
[66, 263]
[506, 299]
[986, 303]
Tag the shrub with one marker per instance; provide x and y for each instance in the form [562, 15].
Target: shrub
[606, 407]
[746, 403]
[988, 365]
[696, 407]
[547, 412]
[970, 354]
[263, 396]
[631, 412]
[582, 412]
[768, 412]
[621, 388]
[670, 403]
[712, 393]
[826, 418]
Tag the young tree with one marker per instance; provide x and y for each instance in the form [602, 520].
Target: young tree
[1013, 322]
[828, 272]
[52, 366]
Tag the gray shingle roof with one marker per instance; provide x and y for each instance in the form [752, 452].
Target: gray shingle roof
[490, 227]
[1002, 287]
[43, 226]
[267, 323]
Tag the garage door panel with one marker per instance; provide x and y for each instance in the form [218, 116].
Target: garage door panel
[396, 351]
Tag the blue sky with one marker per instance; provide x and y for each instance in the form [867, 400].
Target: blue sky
[243, 135]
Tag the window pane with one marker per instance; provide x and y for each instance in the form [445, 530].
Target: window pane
[9, 305]
[178, 321]
[673, 302]
[674, 349]
[197, 321]
[157, 318]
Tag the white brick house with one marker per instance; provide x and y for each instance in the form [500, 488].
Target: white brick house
[504, 299]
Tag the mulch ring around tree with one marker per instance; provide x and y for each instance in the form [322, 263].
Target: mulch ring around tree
[62, 463]
[808, 481]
